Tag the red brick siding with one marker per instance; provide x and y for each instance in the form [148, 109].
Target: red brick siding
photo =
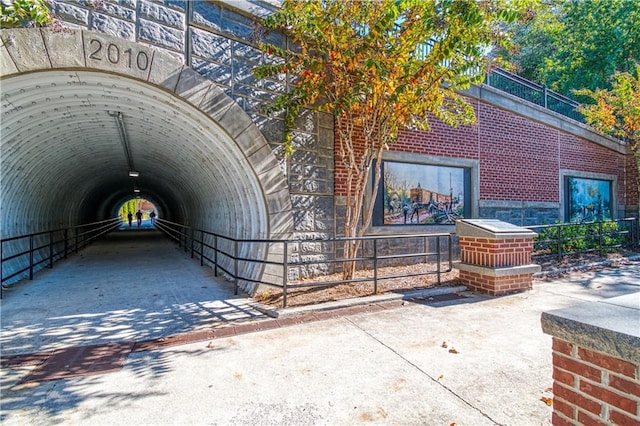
[591, 387]
[519, 159]
[495, 253]
[495, 285]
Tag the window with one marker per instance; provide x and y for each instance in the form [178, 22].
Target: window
[588, 199]
[422, 194]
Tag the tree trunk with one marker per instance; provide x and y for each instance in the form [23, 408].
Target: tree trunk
[358, 221]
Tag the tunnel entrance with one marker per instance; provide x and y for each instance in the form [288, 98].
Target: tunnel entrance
[76, 125]
[127, 212]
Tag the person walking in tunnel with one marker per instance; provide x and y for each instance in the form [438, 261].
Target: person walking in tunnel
[130, 217]
[152, 216]
[139, 218]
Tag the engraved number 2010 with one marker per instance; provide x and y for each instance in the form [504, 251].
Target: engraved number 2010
[112, 54]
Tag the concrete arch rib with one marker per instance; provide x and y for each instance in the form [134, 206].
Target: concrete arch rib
[197, 151]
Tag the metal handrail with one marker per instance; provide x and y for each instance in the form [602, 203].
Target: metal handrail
[516, 85]
[565, 239]
[49, 246]
[227, 260]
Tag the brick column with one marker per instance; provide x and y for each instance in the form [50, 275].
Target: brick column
[495, 256]
[596, 362]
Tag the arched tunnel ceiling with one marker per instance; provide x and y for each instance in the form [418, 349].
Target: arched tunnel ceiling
[61, 146]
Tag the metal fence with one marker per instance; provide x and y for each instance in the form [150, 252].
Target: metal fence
[567, 239]
[521, 87]
[23, 255]
[533, 92]
[283, 263]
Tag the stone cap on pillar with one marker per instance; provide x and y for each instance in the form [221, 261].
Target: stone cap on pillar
[491, 228]
[611, 325]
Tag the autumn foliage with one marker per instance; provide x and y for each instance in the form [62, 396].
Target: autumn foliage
[379, 66]
[617, 112]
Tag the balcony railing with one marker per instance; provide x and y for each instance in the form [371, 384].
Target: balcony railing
[533, 92]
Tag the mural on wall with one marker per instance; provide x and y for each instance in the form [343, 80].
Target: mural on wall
[421, 194]
[588, 199]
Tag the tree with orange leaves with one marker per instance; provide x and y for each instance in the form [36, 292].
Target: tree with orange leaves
[379, 66]
[617, 112]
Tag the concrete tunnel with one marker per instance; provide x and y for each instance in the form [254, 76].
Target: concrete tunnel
[72, 131]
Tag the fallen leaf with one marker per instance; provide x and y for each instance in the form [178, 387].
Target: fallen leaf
[548, 401]
[453, 351]
[440, 377]
[444, 345]
[210, 345]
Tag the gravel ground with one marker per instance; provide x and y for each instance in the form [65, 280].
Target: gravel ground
[551, 267]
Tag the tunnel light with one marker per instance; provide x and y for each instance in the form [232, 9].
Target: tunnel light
[133, 174]
[137, 191]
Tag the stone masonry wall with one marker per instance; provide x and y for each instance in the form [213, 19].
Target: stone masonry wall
[217, 40]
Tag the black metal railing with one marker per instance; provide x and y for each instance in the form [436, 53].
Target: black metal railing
[282, 263]
[21, 256]
[516, 85]
[533, 92]
[565, 239]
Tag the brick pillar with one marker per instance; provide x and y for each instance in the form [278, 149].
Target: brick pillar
[596, 362]
[495, 256]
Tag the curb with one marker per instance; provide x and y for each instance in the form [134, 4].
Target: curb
[358, 301]
[583, 268]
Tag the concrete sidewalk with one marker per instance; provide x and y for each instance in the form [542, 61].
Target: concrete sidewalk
[470, 361]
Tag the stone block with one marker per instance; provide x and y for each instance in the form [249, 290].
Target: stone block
[162, 14]
[246, 52]
[180, 5]
[306, 121]
[161, 35]
[7, 66]
[326, 140]
[211, 46]
[110, 53]
[192, 86]
[279, 202]
[119, 11]
[303, 156]
[64, 47]
[27, 49]
[242, 72]
[235, 120]
[112, 26]
[216, 103]
[303, 140]
[237, 25]
[207, 14]
[281, 223]
[71, 12]
[165, 70]
[221, 74]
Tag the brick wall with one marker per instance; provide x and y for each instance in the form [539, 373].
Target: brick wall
[496, 253]
[495, 286]
[593, 388]
[519, 159]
